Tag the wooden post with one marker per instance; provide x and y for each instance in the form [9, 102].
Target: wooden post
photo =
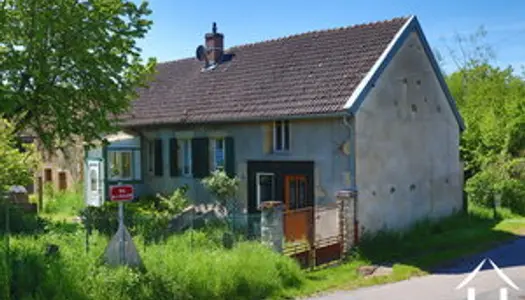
[40, 186]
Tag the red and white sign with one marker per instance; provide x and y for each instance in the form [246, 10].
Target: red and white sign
[121, 192]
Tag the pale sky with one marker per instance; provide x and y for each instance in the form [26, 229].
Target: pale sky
[179, 26]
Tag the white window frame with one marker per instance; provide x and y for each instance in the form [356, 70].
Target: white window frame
[110, 161]
[258, 187]
[183, 161]
[214, 147]
[283, 136]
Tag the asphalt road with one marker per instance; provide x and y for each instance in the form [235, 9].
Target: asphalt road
[441, 285]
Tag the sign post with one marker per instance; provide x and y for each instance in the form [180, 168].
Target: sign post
[120, 193]
[121, 246]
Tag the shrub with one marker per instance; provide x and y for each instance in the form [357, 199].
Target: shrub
[16, 160]
[175, 203]
[513, 195]
[5, 273]
[500, 178]
[223, 188]
[480, 188]
[148, 219]
[20, 221]
[69, 202]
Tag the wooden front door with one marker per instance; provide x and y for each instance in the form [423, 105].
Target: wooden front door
[298, 213]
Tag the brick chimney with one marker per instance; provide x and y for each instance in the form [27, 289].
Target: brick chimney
[214, 45]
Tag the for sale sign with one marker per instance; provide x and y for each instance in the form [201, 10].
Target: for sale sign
[121, 192]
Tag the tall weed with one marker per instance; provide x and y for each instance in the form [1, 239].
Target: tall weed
[68, 203]
[204, 270]
[188, 266]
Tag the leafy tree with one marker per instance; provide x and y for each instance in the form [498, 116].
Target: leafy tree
[224, 188]
[69, 67]
[492, 102]
[16, 160]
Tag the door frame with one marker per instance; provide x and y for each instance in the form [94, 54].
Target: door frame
[280, 169]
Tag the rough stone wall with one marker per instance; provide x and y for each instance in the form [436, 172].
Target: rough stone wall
[69, 159]
[347, 211]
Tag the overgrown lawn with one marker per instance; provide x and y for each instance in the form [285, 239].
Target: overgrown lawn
[187, 266]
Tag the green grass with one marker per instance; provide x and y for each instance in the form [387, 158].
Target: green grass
[207, 271]
[62, 205]
[417, 251]
[188, 266]
[194, 265]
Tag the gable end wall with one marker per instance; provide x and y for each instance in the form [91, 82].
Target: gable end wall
[407, 146]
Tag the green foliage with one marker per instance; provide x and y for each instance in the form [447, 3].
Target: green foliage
[20, 222]
[504, 178]
[206, 271]
[190, 266]
[71, 274]
[5, 273]
[148, 218]
[492, 103]
[68, 67]
[15, 165]
[458, 232]
[175, 203]
[222, 186]
[68, 203]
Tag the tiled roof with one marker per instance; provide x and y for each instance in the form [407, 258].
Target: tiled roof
[304, 74]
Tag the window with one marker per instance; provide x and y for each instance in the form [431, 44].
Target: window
[48, 175]
[120, 163]
[295, 192]
[265, 187]
[218, 153]
[93, 176]
[186, 157]
[281, 136]
[62, 180]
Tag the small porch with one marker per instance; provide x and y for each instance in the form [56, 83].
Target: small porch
[119, 162]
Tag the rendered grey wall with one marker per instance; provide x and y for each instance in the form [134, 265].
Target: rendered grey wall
[407, 146]
[313, 140]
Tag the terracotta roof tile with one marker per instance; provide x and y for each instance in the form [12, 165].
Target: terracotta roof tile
[309, 73]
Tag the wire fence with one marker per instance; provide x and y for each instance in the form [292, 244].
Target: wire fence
[154, 227]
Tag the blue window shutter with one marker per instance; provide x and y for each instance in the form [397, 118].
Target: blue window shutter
[200, 157]
[159, 164]
[174, 159]
[229, 165]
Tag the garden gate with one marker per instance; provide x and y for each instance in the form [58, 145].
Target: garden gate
[321, 234]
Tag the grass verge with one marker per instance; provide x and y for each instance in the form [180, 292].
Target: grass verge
[415, 252]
